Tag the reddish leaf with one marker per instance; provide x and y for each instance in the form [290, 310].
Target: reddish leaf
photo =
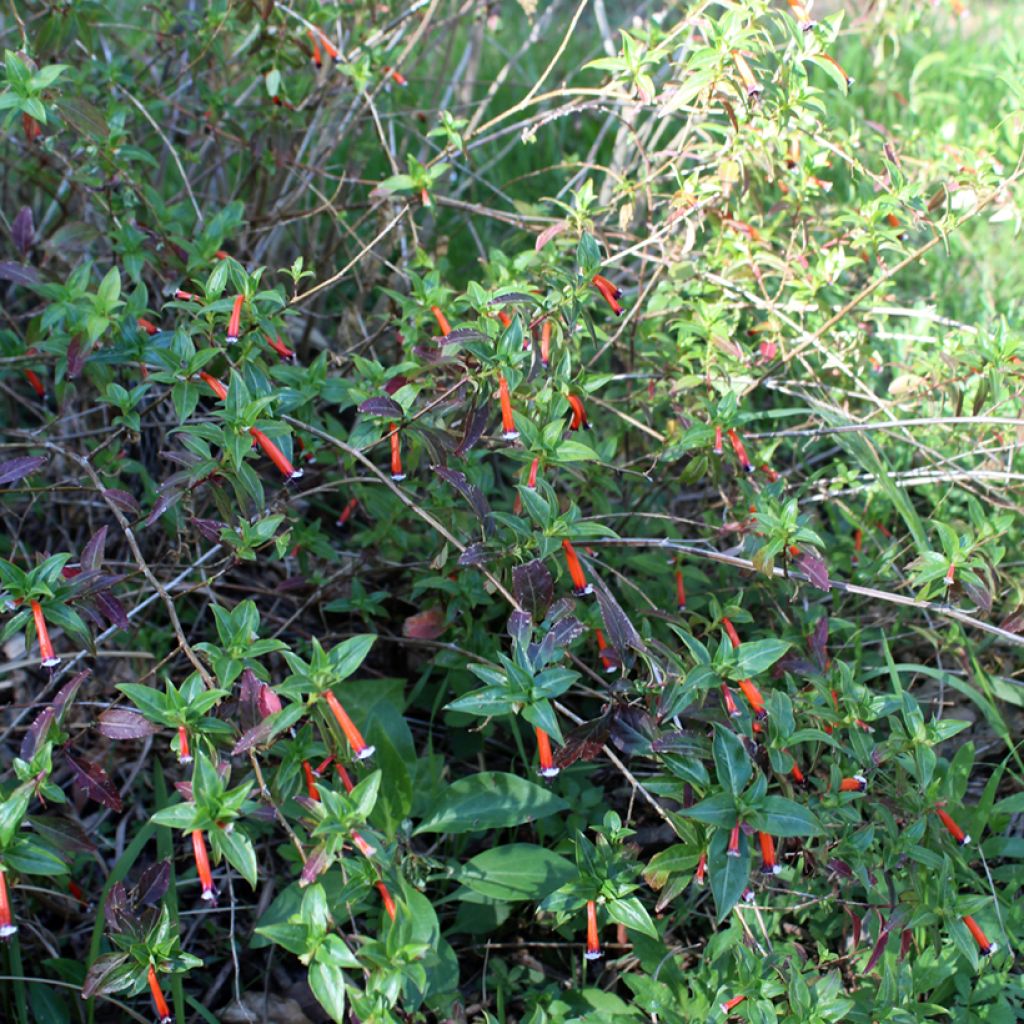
[533, 587]
[162, 504]
[512, 298]
[476, 554]
[470, 492]
[818, 642]
[208, 528]
[552, 231]
[622, 634]
[18, 273]
[123, 500]
[473, 427]
[92, 553]
[396, 382]
[584, 742]
[425, 625]
[108, 973]
[382, 406]
[125, 724]
[152, 883]
[14, 470]
[519, 627]
[67, 693]
[111, 608]
[23, 230]
[815, 569]
[95, 781]
[77, 355]
[63, 833]
[36, 732]
[462, 334]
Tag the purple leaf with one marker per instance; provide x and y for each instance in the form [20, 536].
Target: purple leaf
[63, 833]
[92, 553]
[533, 587]
[470, 492]
[520, 626]
[23, 230]
[208, 528]
[110, 972]
[67, 693]
[152, 883]
[36, 733]
[980, 595]
[382, 406]
[512, 297]
[622, 634]
[95, 781]
[123, 501]
[462, 334]
[162, 504]
[125, 724]
[18, 273]
[473, 428]
[818, 642]
[316, 864]
[111, 609]
[77, 355]
[565, 631]
[815, 569]
[396, 382]
[475, 554]
[14, 470]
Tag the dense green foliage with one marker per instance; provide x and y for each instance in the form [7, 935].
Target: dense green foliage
[525, 502]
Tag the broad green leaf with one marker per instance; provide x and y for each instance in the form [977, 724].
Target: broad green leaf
[718, 810]
[518, 871]
[328, 985]
[785, 818]
[729, 875]
[732, 763]
[490, 800]
[632, 913]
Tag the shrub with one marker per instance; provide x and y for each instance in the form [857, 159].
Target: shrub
[510, 516]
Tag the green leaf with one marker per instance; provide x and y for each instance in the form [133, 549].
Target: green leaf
[729, 875]
[490, 800]
[632, 913]
[518, 871]
[732, 762]
[347, 656]
[328, 985]
[785, 818]
[756, 656]
[177, 816]
[237, 849]
[718, 810]
[588, 256]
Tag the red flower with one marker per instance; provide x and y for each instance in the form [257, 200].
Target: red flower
[396, 453]
[442, 321]
[754, 698]
[307, 770]
[858, 543]
[730, 631]
[389, 903]
[702, 867]
[853, 784]
[163, 1011]
[953, 828]
[717, 450]
[731, 1004]
[46, 652]
[276, 456]
[741, 452]
[37, 385]
[593, 941]
[734, 842]
[147, 325]
[508, 423]
[607, 661]
[769, 866]
[280, 348]
[547, 769]
[580, 585]
[984, 946]
[203, 866]
[184, 754]
[7, 925]
[769, 472]
[731, 708]
[235, 323]
[680, 591]
[347, 511]
[399, 79]
[545, 344]
[579, 413]
[360, 749]
[531, 480]
[609, 293]
[750, 83]
[317, 59]
[950, 575]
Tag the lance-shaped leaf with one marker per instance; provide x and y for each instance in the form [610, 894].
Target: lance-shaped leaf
[470, 492]
[125, 724]
[14, 470]
[622, 634]
[533, 587]
[380, 405]
[473, 426]
[95, 781]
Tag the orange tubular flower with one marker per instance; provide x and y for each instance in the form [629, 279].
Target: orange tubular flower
[858, 543]
[329, 48]
[360, 749]
[593, 941]
[958, 834]
[770, 473]
[839, 67]
[362, 845]
[730, 631]
[346, 779]
[853, 784]
[7, 925]
[680, 591]
[950, 575]
[214, 385]
[579, 413]
[531, 480]
[741, 452]
[580, 585]
[798, 776]
[46, 652]
[754, 698]
[389, 903]
[734, 842]
[717, 450]
[163, 1011]
[545, 344]
[346, 512]
[280, 348]
[702, 867]
[769, 866]
[147, 325]
[547, 769]
[731, 708]
[276, 456]
[984, 946]
[609, 293]
[602, 646]
[396, 76]
[508, 423]
[30, 128]
[506, 320]
[750, 83]
[184, 754]
[186, 296]
[235, 323]
[731, 1004]
[396, 453]
[203, 866]
[37, 385]
[442, 321]
[307, 770]
[317, 59]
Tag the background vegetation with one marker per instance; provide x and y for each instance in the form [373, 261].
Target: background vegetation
[748, 276]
